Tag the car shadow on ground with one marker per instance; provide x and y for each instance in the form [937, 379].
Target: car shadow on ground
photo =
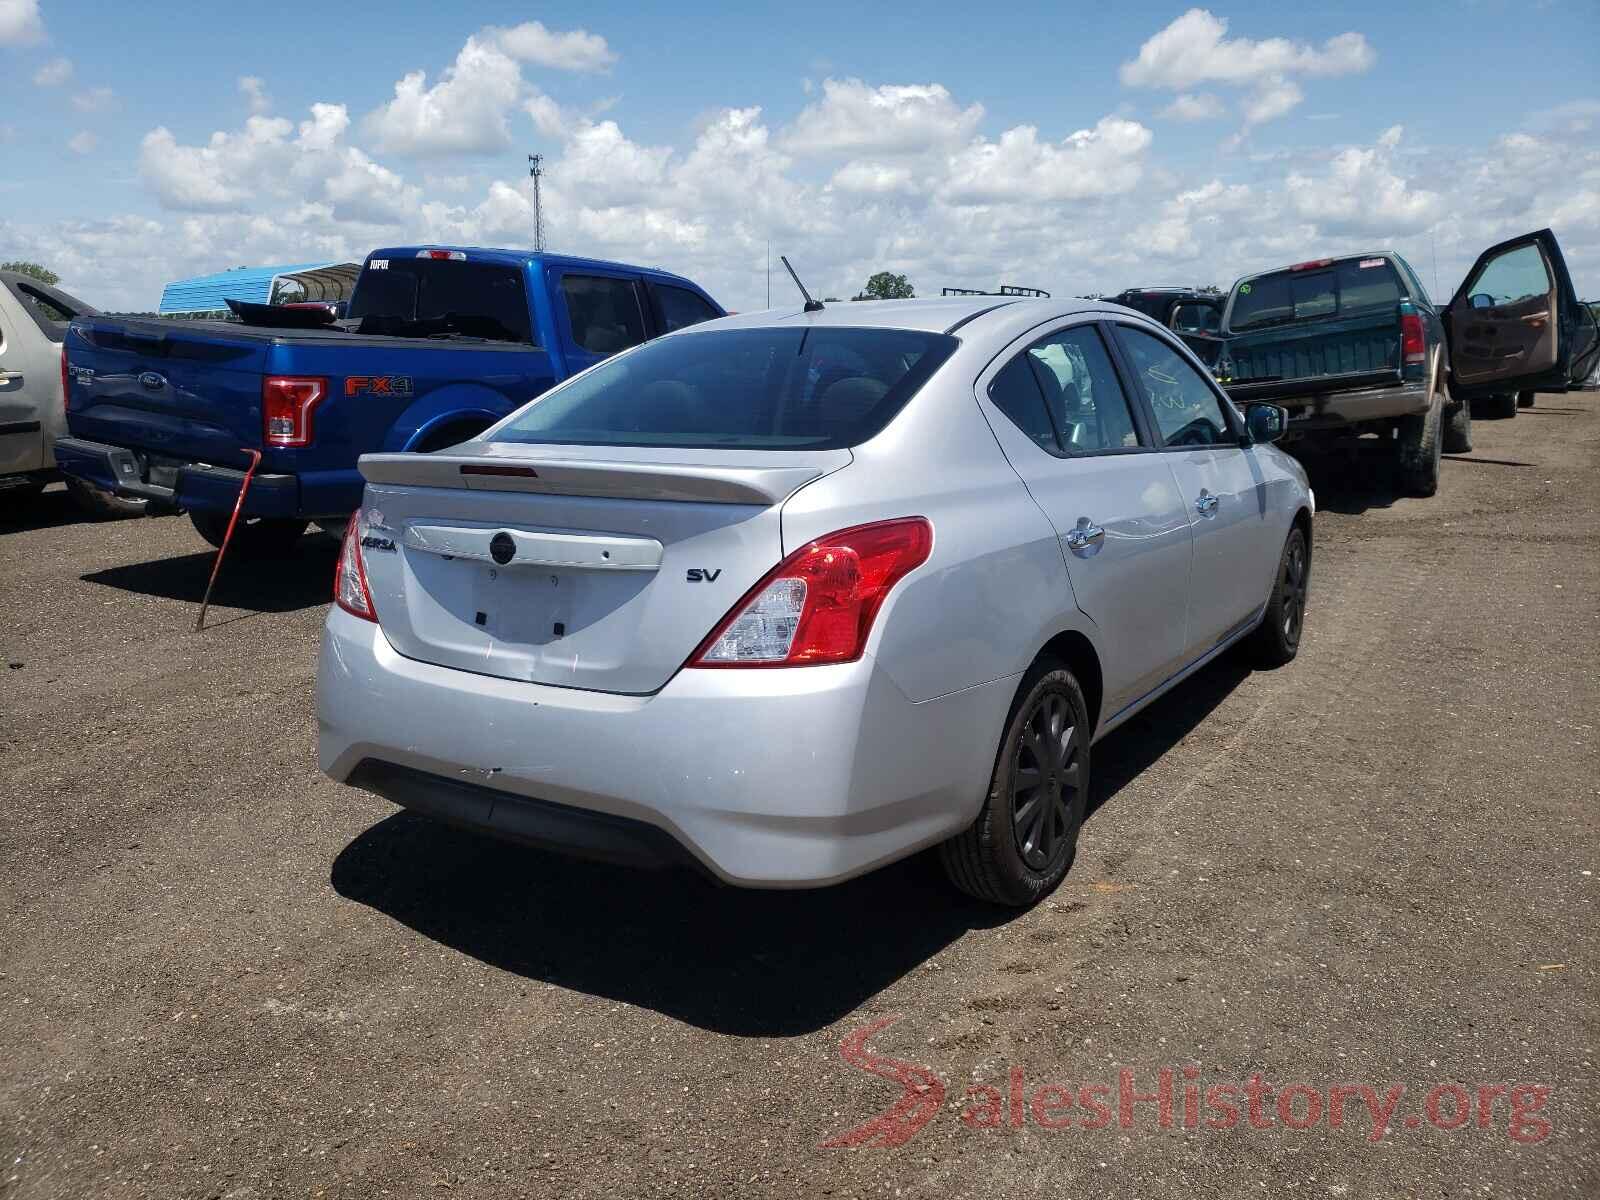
[1352, 477]
[276, 585]
[747, 963]
[52, 508]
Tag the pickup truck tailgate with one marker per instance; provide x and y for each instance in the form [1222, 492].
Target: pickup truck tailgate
[184, 389]
[1358, 346]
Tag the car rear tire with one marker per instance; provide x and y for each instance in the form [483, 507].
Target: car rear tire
[1525, 399]
[98, 502]
[254, 537]
[1026, 835]
[1276, 640]
[1417, 451]
[1499, 406]
[1457, 425]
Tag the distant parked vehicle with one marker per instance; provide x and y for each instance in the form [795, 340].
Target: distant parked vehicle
[1193, 315]
[33, 327]
[1354, 345]
[795, 594]
[438, 344]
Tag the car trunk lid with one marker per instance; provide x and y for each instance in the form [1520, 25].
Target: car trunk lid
[587, 567]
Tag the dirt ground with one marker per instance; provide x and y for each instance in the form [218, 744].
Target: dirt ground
[222, 975]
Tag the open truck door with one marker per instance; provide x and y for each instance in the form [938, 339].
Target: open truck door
[1515, 324]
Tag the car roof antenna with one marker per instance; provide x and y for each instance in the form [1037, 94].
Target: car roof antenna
[811, 305]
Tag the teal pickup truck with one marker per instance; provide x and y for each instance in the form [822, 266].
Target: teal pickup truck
[1354, 346]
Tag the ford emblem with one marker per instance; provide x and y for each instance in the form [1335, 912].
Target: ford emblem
[502, 548]
[152, 381]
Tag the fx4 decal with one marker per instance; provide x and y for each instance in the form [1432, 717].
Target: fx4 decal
[378, 385]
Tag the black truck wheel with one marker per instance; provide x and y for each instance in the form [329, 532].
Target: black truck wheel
[1498, 406]
[255, 537]
[1525, 399]
[98, 502]
[1417, 451]
[1457, 425]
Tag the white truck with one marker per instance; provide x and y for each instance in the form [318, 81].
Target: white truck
[33, 323]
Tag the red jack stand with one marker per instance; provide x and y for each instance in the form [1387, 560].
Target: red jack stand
[255, 461]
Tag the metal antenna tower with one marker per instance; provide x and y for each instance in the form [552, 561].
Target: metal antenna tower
[536, 172]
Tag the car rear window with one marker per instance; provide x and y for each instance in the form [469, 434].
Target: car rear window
[1348, 286]
[433, 297]
[799, 388]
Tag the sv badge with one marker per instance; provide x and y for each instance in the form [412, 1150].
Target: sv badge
[700, 575]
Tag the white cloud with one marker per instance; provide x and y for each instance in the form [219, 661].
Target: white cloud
[20, 23]
[872, 178]
[1091, 162]
[854, 118]
[254, 90]
[464, 113]
[1362, 191]
[1186, 106]
[54, 73]
[572, 50]
[83, 142]
[96, 99]
[1272, 99]
[1193, 49]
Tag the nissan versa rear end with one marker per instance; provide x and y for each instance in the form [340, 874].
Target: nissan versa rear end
[791, 595]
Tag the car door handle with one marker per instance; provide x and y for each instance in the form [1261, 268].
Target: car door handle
[1085, 534]
[1536, 319]
[10, 376]
[1206, 504]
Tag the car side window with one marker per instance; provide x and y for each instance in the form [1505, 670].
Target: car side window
[1081, 391]
[604, 312]
[1510, 277]
[1186, 409]
[1016, 393]
[1195, 318]
[681, 308]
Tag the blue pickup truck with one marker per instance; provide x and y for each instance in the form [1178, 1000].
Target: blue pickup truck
[437, 344]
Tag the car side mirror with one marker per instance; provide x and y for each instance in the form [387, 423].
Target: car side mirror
[1480, 300]
[1266, 422]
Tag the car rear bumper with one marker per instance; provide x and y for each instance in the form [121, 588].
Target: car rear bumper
[766, 778]
[196, 486]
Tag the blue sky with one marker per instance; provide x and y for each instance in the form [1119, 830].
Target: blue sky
[925, 138]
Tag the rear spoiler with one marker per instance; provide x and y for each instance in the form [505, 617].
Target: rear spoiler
[705, 482]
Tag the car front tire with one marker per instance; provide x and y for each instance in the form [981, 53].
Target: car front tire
[1525, 399]
[1026, 835]
[1276, 640]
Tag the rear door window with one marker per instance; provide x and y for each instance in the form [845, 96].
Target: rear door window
[604, 312]
[680, 308]
[747, 389]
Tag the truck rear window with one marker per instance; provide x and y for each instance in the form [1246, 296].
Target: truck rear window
[1340, 288]
[744, 389]
[431, 297]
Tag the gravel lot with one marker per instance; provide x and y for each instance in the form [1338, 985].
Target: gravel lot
[223, 975]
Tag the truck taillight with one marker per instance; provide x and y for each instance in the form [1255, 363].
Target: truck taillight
[818, 605]
[350, 590]
[287, 405]
[1413, 344]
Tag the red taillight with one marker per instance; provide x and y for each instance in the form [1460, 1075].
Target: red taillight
[1312, 265]
[350, 590]
[287, 405]
[1413, 345]
[818, 605]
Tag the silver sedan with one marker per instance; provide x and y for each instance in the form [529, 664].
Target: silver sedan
[790, 595]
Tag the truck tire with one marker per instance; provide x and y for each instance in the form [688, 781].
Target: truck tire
[1499, 406]
[98, 502]
[1525, 399]
[1013, 853]
[255, 537]
[1417, 451]
[1457, 425]
[1277, 639]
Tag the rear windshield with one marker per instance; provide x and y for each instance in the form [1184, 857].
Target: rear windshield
[800, 388]
[1335, 290]
[433, 297]
[1151, 304]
